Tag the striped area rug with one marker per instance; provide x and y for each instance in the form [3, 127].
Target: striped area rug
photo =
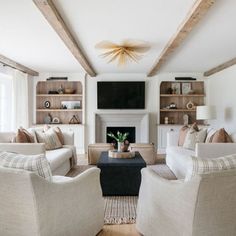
[120, 210]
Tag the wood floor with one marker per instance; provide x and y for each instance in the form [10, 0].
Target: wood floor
[119, 230]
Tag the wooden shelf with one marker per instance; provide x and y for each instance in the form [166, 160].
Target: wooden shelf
[59, 95]
[55, 101]
[178, 110]
[47, 110]
[182, 95]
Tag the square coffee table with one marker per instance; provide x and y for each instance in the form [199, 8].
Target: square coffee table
[120, 176]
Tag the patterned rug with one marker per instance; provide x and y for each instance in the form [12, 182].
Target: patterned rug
[120, 210]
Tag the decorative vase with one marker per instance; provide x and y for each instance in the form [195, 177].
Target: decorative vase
[119, 146]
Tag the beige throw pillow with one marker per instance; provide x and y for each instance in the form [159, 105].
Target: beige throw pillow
[57, 131]
[220, 136]
[50, 139]
[201, 166]
[194, 137]
[23, 136]
[183, 132]
[34, 163]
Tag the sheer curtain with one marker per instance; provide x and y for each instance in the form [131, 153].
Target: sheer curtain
[20, 100]
[13, 100]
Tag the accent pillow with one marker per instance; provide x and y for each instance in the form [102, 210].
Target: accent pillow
[50, 139]
[194, 137]
[203, 166]
[57, 131]
[183, 132]
[34, 163]
[23, 136]
[182, 135]
[220, 136]
[210, 132]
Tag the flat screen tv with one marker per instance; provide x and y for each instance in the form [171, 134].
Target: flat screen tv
[120, 95]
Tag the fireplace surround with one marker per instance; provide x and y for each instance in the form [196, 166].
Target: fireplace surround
[118, 119]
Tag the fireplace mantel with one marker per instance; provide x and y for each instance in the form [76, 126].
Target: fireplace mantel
[118, 119]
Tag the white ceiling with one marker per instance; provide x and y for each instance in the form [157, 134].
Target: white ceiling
[26, 37]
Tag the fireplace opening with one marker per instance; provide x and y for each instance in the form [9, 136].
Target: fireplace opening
[114, 130]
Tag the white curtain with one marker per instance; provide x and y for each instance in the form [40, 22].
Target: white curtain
[20, 100]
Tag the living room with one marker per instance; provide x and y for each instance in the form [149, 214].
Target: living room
[65, 69]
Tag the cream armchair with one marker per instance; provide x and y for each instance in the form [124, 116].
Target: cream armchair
[206, 205]
[32, 206]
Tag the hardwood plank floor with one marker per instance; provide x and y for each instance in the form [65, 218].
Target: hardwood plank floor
[119, 230]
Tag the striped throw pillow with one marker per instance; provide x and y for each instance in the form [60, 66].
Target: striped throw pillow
[50, 139]
[202, 166]
[34, 163]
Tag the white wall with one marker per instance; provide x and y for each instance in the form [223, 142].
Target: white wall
[222, 94]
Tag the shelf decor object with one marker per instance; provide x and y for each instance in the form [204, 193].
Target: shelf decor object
[128, 50]
[51, 96]
[206, 113]
[185, 103]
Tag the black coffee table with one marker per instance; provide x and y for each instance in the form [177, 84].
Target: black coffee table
[120, 176]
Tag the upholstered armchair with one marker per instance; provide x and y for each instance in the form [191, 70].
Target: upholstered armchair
[33, 206]
[205, 205]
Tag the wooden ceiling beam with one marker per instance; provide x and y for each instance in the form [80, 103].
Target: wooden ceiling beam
[195, 14]
[53, 17]
[8, 62]
[220, 67]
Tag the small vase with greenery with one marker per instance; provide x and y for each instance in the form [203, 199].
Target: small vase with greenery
[120, 138]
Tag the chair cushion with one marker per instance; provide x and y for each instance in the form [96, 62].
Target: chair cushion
[198, 165]
[50, 139]
[58, 156]
[34, 163]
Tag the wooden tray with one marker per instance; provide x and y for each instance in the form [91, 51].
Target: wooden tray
[116, 154]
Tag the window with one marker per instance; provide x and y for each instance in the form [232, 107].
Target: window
[6, 105]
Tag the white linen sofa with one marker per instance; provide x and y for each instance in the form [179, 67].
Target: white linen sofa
[61, 160]
[33, 206]
[177, 157]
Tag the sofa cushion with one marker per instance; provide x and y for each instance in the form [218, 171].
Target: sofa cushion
[210, 132]
[198, 165]
[220, 136]
[176, 159]
[182, 135]
[50, 139]
[34, 163]
[194, 137]
[58, 131]
[23, 136]
[58, 156]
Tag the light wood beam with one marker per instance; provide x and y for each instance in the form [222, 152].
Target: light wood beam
[53, 17]
[220, 67]
[196, 13]
[8, 62]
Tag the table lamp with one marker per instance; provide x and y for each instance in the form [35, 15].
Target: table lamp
[206, 113]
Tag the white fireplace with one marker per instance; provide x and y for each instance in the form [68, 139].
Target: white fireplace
[118, 119]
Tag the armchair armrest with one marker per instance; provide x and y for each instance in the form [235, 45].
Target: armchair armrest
[68, 137]
[172, 138]
[76, 205]
[164, 199]
[23, 148]
[213, 150]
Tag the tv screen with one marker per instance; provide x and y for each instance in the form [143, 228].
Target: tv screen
[121, 95]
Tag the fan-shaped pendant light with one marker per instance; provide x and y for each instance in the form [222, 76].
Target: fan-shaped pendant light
[128, 50]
